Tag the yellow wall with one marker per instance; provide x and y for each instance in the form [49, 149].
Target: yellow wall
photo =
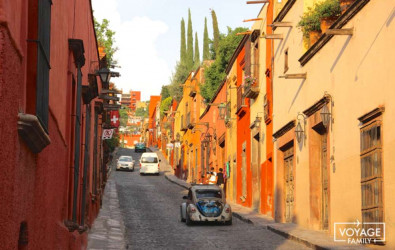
[358, 72]
[231, 132]
[256, 107]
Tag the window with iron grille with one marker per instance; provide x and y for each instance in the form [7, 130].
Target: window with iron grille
[372, 172]
[43, 63]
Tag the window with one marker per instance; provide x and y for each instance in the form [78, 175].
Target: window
[208, 194]
[43, 63]
[372, 173]
[149, 159]
[256, 62]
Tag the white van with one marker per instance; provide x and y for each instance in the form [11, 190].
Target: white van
[149, 163]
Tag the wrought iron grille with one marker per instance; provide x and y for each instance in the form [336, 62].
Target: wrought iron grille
[372, 175]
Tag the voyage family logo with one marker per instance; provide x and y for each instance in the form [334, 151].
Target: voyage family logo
[360, 233]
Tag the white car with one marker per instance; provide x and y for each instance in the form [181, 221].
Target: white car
[125, 163]
[149, 163]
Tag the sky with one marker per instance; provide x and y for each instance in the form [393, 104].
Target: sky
[148, 35]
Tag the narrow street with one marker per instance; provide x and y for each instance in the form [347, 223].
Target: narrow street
[150, 206]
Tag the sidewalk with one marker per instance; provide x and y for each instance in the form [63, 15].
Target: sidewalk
[108, 230]
[310, 238]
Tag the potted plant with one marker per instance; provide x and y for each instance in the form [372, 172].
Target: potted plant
[249, 81]
[310, 25]
[345, 4]
[328, 11]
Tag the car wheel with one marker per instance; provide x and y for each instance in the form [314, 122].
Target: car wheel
[188, 220]
[182, 219]
[229, 222]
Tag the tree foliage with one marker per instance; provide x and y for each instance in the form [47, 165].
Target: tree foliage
[183, 47]
[105, 38]
[215, 74]
[165, 105]
[164, 93]
[206, 42]
[141, 112]
[189, 60]
[216, 36]
[123, 116]
[197, 54]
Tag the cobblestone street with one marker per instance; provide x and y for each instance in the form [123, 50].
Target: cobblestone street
[150, 206]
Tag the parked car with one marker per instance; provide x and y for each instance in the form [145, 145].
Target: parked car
[140, 147]
[205, 203]
[149, 163]
[125, 163]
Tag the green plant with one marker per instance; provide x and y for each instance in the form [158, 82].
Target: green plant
[328, 8]
[310, 21]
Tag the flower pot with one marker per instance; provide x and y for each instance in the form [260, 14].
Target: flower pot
[314, 36]
[326, 22]
[345, 4]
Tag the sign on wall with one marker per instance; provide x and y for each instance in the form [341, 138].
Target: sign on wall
[107, 134]
[114, 118]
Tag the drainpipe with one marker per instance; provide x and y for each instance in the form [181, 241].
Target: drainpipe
[86, 161]
[77, 142]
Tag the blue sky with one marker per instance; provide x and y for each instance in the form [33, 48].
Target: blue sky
[148, 34]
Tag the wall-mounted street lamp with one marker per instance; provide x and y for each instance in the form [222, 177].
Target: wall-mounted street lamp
[257, 122]
[105, 75]
[325, 116]
[299, 131]
[222, 109]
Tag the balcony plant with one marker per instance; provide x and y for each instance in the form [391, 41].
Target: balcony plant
[310, 25]
[328, 11]
[249, 81]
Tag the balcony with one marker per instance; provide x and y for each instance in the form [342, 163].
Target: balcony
[190, 121]
[251, 90]
[240, 101]
[183, 124]
[192, 93]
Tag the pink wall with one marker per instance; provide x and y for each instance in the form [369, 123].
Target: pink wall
[35, 188]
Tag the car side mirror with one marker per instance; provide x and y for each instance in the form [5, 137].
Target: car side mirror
[185, 197]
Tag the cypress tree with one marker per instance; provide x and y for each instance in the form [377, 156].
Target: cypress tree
[215, 31]
[189, 60]
[183, 49]
[206, 50]
[197, 54]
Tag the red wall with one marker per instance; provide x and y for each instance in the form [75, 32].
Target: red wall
[35, 188]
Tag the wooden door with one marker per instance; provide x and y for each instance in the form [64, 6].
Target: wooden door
[289, 183]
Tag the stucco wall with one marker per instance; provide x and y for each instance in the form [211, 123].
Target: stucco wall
[357, 71]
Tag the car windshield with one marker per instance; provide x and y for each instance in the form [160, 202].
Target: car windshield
[149, 159]
[208, 194]
[125, 159]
